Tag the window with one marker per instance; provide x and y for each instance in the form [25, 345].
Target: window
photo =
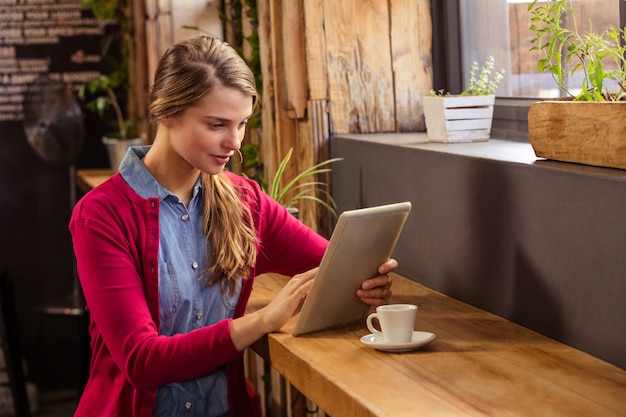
[470, 30]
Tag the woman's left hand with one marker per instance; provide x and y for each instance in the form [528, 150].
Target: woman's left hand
[377, 291]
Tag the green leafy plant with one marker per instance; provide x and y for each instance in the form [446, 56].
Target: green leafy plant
[102, 89]
[589, 52]
[296, 190]
[481, 82]
[299, 188]
[102, 9]
[110, 91]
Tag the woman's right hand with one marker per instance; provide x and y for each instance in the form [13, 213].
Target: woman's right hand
[288, 301]
[247, 329]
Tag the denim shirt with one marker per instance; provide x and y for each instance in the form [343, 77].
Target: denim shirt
[186, 302]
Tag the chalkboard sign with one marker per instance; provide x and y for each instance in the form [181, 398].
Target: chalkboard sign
[59, 38]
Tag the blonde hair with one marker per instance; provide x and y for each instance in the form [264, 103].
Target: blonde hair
[187, 72]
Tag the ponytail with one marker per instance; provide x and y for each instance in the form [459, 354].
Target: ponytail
[229, 228]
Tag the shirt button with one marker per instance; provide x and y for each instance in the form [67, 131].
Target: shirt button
[198, 315]
[185, 217]
[194, 265]
[188, 406]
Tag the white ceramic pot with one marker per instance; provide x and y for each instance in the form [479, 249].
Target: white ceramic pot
[117, 149]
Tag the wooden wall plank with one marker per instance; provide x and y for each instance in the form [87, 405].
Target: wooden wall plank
[281, 131]
[138, 67]
[267, 98]
[315, 50]
[252, 135]
[366, 66]
[320, 135]
[295, 65]
[411, 44]
[158, 32]
[359, 66]
[317, 83]
[291, 132]
[304, 157]
[284, 134]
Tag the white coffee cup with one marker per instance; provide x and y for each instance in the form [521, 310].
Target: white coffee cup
[397, 322]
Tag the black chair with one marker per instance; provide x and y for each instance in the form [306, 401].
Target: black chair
[9, 336]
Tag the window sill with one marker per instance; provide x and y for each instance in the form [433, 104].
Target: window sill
[495, 149]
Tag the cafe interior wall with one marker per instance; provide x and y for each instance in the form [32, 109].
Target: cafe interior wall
[339, 67]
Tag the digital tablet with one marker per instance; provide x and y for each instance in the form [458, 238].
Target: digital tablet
[363, 239]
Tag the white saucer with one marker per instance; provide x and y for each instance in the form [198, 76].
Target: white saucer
[419, 339]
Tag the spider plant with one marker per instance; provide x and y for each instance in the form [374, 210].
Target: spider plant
[302, 186]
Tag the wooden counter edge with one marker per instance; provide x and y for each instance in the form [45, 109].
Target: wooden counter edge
[88, 179]
[276, 345]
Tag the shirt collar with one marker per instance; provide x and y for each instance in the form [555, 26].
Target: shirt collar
[141, 180]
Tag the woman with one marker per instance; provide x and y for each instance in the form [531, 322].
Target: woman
[167, 251]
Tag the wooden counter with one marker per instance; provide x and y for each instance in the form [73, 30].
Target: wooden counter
[87, 179]
[479, 365]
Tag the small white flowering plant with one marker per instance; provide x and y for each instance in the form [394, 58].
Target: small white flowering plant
[481, 81]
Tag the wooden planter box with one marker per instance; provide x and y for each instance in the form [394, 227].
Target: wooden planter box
[458, 118]
[591, 133]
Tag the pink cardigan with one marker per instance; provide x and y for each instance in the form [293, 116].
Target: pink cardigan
[116, 239]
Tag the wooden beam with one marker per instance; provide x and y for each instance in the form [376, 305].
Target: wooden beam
[411, 43]
[315, 49]
[294, 59]
[138, 66]
[361, 94]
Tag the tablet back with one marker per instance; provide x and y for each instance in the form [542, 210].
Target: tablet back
[363, 240]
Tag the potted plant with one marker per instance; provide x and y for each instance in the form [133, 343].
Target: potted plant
[116, 141]
[108, 95]
[589, 126]
[302, 187]
[466, 117]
